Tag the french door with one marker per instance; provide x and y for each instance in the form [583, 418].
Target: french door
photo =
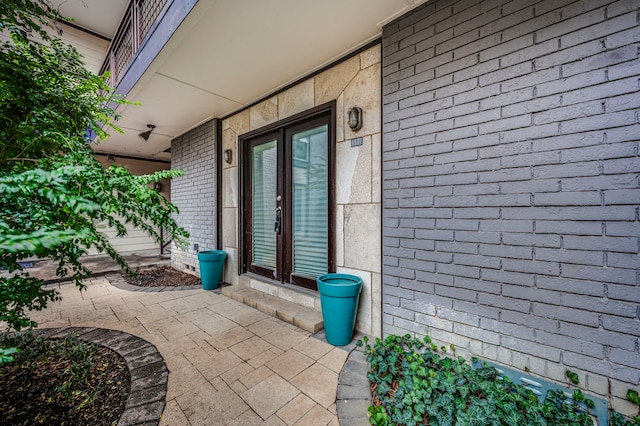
[287, 198]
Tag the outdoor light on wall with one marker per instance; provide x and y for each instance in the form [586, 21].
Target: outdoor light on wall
[145, 135]
[228, 156]
[355, 118]
[157, 186]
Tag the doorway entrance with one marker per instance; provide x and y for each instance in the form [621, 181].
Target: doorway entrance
[287, 203]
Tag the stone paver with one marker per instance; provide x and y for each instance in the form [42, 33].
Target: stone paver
[270, 395]
[319, 383]
[227, 362]
[316, 416]
[290, 364]
[334, 360]
[296, 408]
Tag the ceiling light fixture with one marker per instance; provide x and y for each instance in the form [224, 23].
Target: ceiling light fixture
[145, 135]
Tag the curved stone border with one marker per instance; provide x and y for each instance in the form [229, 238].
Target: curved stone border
[354, 392]
[149, 373]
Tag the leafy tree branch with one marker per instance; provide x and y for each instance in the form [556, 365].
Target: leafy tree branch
[54, 194]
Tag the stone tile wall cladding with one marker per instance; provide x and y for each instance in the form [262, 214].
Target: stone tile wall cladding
[195, 193]
[354, 82]
[510, 184]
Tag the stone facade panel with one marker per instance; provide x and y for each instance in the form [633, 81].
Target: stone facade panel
[229, 142]
[332, 82]
[361, 93]
[353, 172]
[264, 113]
[297, 99]
[361, 240]
[240, 123]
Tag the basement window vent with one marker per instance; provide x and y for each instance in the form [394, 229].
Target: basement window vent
[540, 387]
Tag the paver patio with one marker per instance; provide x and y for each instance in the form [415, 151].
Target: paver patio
[229, 363]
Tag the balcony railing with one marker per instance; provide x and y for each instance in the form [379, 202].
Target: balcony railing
[138, 19]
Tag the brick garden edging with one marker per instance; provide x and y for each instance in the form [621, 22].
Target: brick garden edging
[354, 392]
[149, 373]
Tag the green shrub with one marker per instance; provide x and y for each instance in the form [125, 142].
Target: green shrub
[413, 384]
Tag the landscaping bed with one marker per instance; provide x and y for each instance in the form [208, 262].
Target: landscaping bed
[62, 382]
[416, 382]
[161, 276]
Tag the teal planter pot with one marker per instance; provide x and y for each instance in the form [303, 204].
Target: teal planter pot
[211, 264]
[339, 297]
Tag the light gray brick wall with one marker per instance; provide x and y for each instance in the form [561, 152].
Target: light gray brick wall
[195, 193]
[511, 184]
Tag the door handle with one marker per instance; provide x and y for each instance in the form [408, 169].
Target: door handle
[278, 224]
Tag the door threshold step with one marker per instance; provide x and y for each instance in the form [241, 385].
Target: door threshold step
[298, 315]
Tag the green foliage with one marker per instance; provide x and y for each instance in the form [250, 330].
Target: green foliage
[81, 355]
[416, 385]
[618, 420]
[19, 294]
[6, 355]
[573, 377]
[378, 415]
[53, 192]
[33, 352]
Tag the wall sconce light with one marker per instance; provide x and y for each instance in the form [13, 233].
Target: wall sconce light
[145, 135]
[157, 186]
[355, 118]
[111, 158]
[228, 156]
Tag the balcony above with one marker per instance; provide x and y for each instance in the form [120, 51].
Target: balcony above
[139, 17]
[199, 59]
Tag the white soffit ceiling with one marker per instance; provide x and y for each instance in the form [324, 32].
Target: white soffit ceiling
[244, 49]
[99, 16]
[229, 53]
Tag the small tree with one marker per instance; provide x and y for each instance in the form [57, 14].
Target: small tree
[53, 192]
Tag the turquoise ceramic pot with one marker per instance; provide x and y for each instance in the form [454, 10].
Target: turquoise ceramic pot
[211, 264]
[339, 297]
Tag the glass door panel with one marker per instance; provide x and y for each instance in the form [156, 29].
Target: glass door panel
[287, 192]
[310, 192]
[264, 172]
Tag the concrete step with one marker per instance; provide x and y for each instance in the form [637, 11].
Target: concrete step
[305, 318]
